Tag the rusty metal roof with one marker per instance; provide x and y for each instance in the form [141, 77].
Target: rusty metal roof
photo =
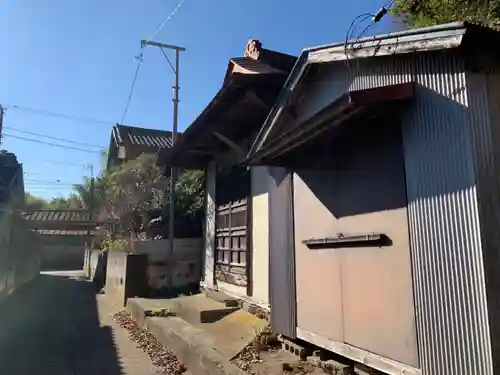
[57, 215]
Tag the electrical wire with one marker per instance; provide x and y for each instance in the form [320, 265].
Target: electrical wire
[53, 138]
[65, 164]
[140, 58]
[168, 59]
[41, 188]
[46, 181]
[59, 114]
[166, 21]
[350, 30]
[131, 92]
[50, 144]
[375, 19]
[49, 185]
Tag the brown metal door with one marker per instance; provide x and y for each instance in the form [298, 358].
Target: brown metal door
[232, 235]
[361, 295]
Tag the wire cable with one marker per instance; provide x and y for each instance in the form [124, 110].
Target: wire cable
[50, 143]
[168, 59]
[47, 185]
[131, 92]
[47, 181]
[166, 21]
[59, 114]
[375, 19]
[53, 138]
[65, 164]
[140, 58]
[350, 31]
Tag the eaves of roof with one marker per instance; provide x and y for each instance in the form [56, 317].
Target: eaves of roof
[441, 37]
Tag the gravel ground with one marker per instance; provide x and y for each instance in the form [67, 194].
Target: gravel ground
[159, 354]
[57, 326]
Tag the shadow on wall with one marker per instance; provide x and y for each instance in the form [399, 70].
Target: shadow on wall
[51, 327]
[342, 178]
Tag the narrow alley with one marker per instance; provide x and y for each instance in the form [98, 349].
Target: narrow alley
[58, 325]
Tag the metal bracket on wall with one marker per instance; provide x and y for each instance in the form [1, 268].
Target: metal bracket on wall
[341, 241]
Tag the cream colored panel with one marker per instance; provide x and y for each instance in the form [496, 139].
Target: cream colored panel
[260, 234]
[318, 273]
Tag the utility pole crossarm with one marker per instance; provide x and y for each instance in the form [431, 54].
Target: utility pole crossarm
[161, 45]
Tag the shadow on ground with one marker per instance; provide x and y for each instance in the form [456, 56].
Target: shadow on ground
[51, 326]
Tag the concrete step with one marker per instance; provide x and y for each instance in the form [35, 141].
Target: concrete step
[206, 346]
[196, 309]
[199, 309]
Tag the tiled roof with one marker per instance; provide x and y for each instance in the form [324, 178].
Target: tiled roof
[56, 215]
[141, 137]
[50, 232]
[255, 66]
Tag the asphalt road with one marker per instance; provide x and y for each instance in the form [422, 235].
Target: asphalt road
[57, 326]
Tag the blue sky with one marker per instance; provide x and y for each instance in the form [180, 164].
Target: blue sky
[77, 57]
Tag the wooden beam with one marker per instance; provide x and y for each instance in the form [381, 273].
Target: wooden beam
[253, 97]
[241, 153]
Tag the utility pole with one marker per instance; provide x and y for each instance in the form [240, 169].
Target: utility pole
[2, 112]
[173, 170]
[91, 205]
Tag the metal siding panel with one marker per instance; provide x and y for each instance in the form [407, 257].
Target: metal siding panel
[447, 254]
[282, 294]
[484, 93]
[447, 260]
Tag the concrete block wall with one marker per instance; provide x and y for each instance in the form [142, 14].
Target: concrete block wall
[186, 263]
[19, 254]
[62, 257]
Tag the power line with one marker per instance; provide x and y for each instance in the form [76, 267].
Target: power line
[166, 20]
[65, 164]
[131, 92]
[50, 185]
[50, 144]
[140, 58]
[47, 181]
[59, 114]
[54, 138]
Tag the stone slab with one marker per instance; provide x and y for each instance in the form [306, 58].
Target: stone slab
[227, 336]
[192, 346]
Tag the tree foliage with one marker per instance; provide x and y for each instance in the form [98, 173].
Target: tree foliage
[133, 194]
[32, 203]
[136, 185]
[421, 13]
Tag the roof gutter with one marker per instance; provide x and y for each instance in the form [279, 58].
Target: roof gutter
[442, 37]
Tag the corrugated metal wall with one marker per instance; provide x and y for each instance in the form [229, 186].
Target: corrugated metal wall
[484, 104]
[282, 287]
[447, 259]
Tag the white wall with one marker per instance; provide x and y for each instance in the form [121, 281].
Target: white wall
[260, 234]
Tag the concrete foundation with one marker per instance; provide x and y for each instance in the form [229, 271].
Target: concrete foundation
[204, 334]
